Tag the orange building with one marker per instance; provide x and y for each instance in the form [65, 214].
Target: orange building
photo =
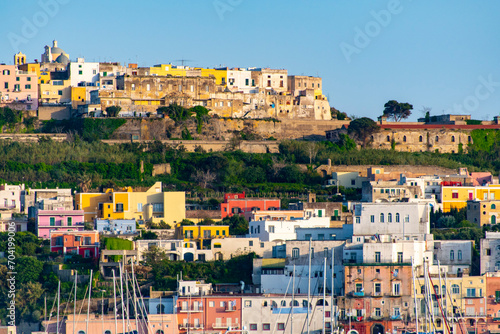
[84, 243]
[208, 313]
[239, 204]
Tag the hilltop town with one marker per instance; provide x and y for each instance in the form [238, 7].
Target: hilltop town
[178, 199]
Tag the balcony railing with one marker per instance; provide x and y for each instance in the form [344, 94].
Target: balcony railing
[358, 294]
[218, 325]
[192, 309]
[230, 308]
[191, 326]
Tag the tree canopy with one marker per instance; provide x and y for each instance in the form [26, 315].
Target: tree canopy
[396, 110]
[362, 128]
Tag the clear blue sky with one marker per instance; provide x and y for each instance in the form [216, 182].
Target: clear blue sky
[436, 54]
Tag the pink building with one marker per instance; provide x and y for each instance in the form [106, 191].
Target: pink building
[18, 89]
[58, 220]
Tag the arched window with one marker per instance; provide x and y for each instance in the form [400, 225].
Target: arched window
[397, 217]
[273, 304]
[295, 303]
[264, 303]
[437, 139]
[295, 253]
[107, 331]
[321, 301]
[459, 255]
[389, 217]
[159, 331]
[493, 220]
[420, 139]
[283, 303]
[404, 139]
[455, 289]
[381, 217]
[81, 332]
[443, 290]
[388, 138]
[304, 303]
[452, 255]
[452, 139]
[493, 206]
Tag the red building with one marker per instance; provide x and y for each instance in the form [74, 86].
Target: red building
[208, 313]
[84, 243]
[239, 204]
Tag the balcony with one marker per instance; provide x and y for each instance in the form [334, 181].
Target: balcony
[230, 308]
[192, 309]
[219, 325]
[191, 326]
[396, 317]
[358, 294]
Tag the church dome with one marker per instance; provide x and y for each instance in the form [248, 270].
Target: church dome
[62, 59]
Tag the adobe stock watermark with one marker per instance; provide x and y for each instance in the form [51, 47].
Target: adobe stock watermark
[483, 91]
[223, 6]
[31, 26]
[364, 36]
[11, 274]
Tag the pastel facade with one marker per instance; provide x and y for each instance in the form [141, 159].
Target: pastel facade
[115, 226]
[48, 221]
[457, 196]
[400, 219]
[18, 89]
[490, 253]
[202, 235]
[153, 205]
[11, 197]
[483, 212]
[274, 230]
[238, 204]
[84, 243]
[84, 73]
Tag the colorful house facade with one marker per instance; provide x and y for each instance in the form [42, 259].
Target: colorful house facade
[84, 243]
[239, 204]
[58, 220]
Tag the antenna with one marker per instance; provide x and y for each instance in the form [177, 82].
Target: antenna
[183, 60]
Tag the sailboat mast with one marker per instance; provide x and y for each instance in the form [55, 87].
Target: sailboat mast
[74, 304]
[293, 299]
[114, 296]
[135, 301]
[324, 296]
[58, 301]
[414, 294]
[333, 316]
[309, 285]
[121, 296]
[126, 289]
[88, 306]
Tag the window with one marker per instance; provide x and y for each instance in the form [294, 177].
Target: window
[452, 139]
[281, 326]
[70, 221]
[358, 220]
[388, 138]
[377, 257]
[253, 327]
[271, 228]
[493, 206]
[459, 255]
[372, 219]
[133, 87]
[139, 206]
[119, 207]
[59, 92]
[86, 254]
[400, 257]
[377, 289]
[247, 81]
[377, 312]
[396, 289]
[381, 217]
[295, 253]
[407, 218]
[359, 287]
[454, 195]
[248, 303]
[452, 255]
[250, 243]
[266, 327]
[6, 85]
[397, 312]
[52, 221]
[397, 217]
[437, 139]
[404, 139]
[157, 207]
[420, 139]
[471, 292]
[27, 86]
[389, 217]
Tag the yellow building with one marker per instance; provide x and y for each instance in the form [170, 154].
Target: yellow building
[31, 68]
[168, 69]
[457, 196]
[78, 96]
[483, 212]
[201, 234]
[151, 205]
[220, 75]
[54, 91]
[465, 299]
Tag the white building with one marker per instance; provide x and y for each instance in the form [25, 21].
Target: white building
[115, 226]
[325, 233]
[406, 220]
[346, 180]
[10, 197]
[274, 230]
[84, 73]
[240, 80]
[172, 248]
[272, 275]
[490, 252]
